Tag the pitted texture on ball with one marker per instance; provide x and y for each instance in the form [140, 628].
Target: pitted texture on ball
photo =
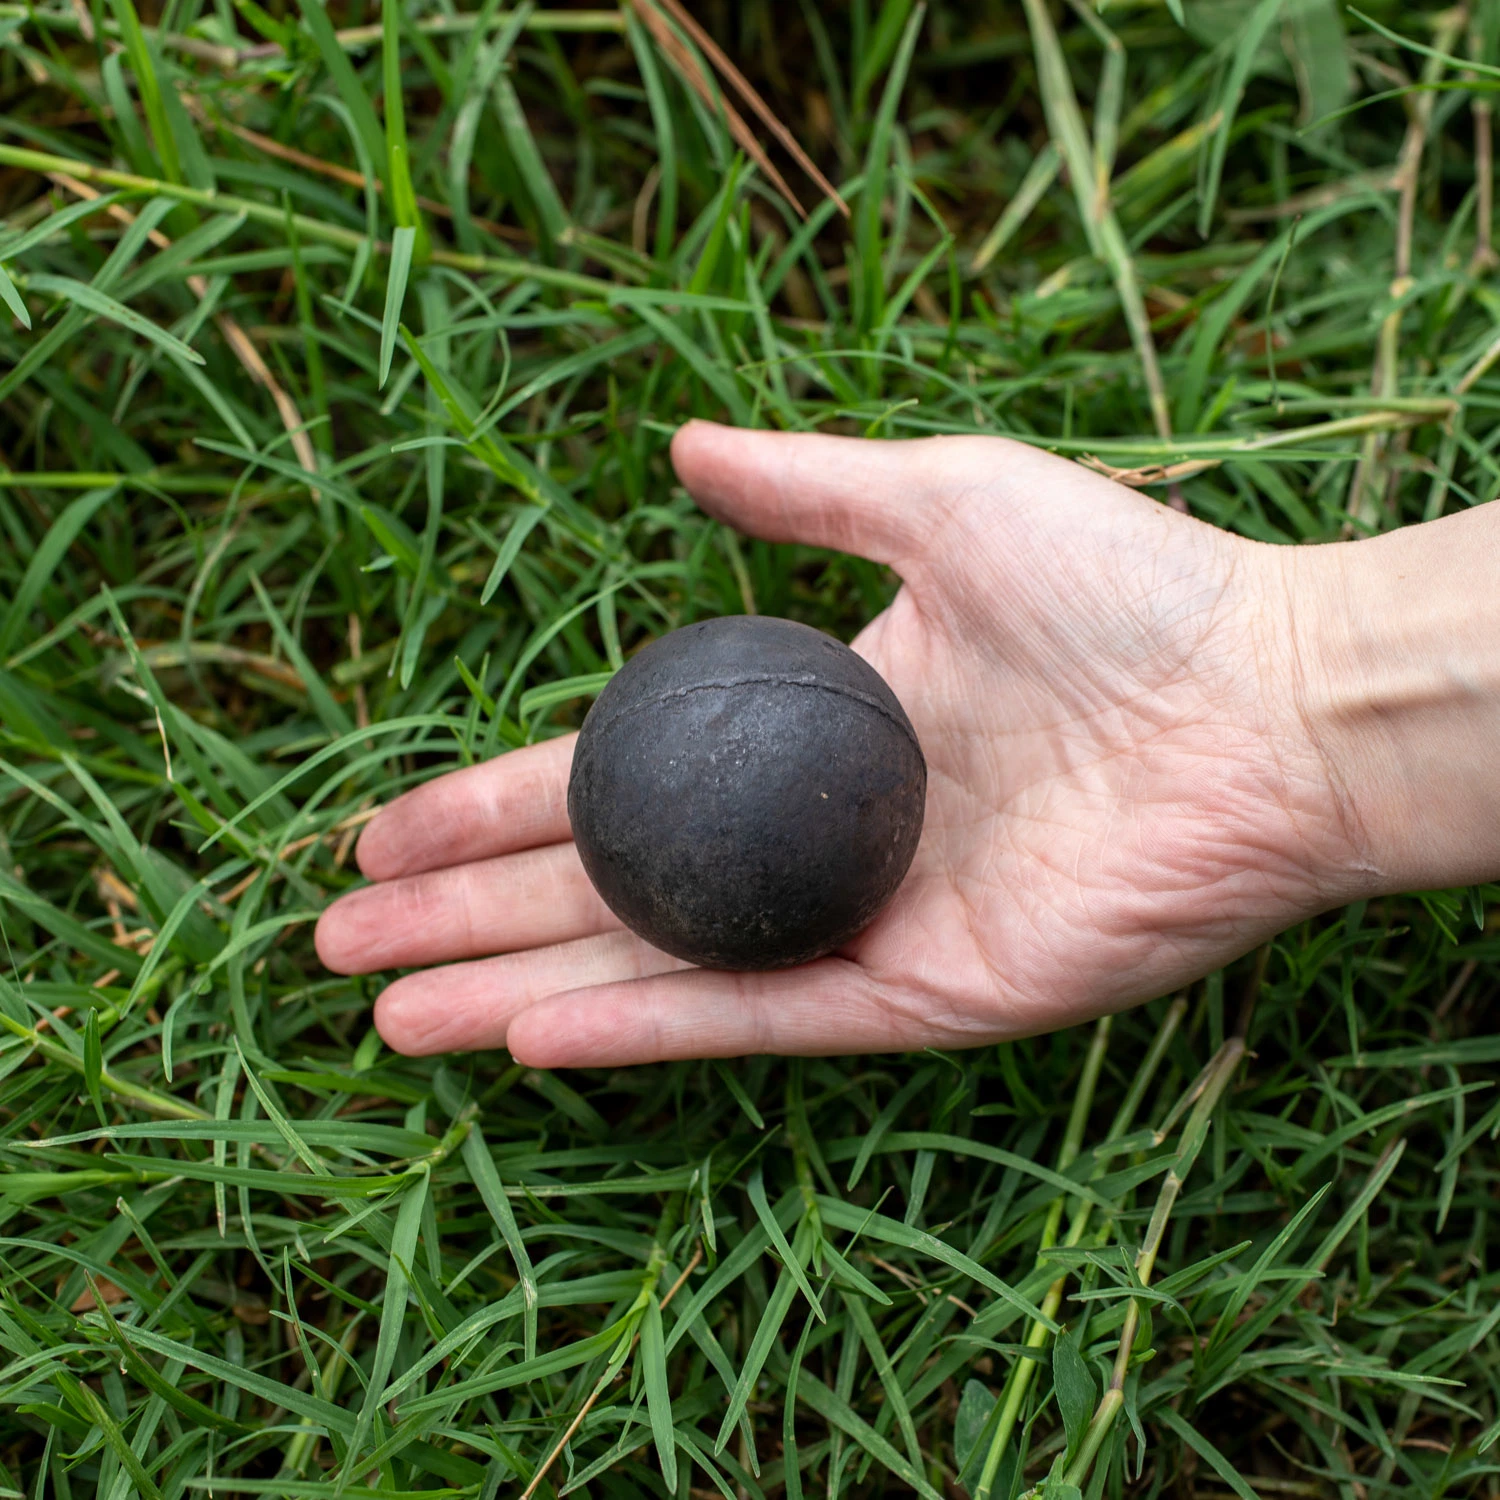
[747, 793]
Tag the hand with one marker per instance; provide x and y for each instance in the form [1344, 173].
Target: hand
[1125, 790]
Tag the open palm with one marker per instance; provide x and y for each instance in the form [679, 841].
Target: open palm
[1122, 791]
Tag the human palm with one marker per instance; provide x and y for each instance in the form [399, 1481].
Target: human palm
[1122, 792]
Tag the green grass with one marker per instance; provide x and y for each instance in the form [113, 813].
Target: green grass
[313, 488]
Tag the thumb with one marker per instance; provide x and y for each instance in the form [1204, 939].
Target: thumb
[875, 498]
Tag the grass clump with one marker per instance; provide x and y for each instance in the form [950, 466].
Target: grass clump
[341, 355]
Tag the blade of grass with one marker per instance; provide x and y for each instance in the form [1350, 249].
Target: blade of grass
[102, 305]
[143, 65]
[1067, 130]
[403, 246]
[393, 1312]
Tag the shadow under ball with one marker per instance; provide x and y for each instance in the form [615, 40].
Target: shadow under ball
[747, 793]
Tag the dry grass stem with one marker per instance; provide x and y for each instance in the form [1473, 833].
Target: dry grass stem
[687, 67]
[742, 86]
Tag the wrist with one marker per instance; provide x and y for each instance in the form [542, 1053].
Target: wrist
[1397, 644]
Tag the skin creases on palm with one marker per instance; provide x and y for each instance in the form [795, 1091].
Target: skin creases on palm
[1121, 795]
[1116, 803]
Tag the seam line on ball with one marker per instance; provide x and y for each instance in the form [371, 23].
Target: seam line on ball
[868, 699]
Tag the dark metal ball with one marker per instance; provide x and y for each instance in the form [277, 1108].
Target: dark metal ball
[747, 793]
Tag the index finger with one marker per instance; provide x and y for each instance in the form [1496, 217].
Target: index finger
[515, 801]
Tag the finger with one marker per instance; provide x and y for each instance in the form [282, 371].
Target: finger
[877, 499]
[521, 900]
[515, 801]
[825, 1007]
[467, 1007]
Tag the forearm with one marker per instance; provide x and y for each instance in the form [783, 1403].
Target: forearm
[1399, 645]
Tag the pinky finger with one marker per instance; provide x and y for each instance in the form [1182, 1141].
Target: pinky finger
[821, 1008]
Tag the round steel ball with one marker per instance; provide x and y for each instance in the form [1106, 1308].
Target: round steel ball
[747, 793]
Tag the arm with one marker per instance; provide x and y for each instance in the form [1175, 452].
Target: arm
[1399, 641]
